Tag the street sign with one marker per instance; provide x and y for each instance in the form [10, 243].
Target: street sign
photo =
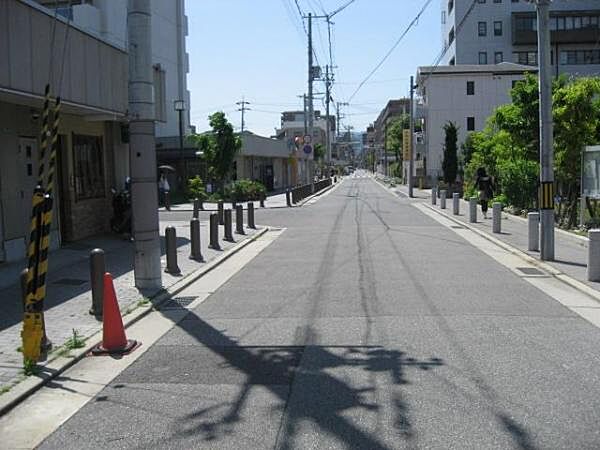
[308, 149]
[405, 145]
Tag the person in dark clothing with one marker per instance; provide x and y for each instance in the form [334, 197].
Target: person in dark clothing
[486, 189]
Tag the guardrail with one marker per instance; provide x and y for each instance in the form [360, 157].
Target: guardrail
[301, 192]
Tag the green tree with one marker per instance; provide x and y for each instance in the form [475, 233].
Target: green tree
[394, 134]
[218, 147]
[576, 122]
[319, 152]
[450, 162]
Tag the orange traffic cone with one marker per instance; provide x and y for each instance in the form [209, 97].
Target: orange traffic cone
[114, 340]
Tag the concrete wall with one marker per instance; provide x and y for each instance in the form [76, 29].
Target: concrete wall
[447, 100]
[95, 73]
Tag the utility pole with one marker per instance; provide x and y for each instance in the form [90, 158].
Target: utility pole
[311, 114]
[546, 194]
[305, 116]
[243, 109]
[339, 117]
[327, 98]
[412, 138]
[142, 148]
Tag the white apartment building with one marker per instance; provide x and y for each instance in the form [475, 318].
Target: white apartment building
[466, 95]
[506, 31]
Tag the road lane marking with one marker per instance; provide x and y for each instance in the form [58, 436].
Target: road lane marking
[568, 296]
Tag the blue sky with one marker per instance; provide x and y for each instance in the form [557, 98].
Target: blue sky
[257, 49]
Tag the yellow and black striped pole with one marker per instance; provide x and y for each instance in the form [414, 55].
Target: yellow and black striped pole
[37, 252]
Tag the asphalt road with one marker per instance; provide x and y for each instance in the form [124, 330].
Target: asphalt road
[367, 325]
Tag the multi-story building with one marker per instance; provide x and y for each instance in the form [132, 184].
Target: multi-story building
[393, 109]
[496, 31]
[91, 78]
[464, 94]
[293, 126]
[107, 19]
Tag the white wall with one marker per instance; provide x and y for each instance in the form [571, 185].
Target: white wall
[447, 100]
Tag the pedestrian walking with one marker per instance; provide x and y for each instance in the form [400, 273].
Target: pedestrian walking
[486, 189]
[164, 188]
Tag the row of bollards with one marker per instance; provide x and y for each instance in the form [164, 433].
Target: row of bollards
[473, 202]
[97, 256]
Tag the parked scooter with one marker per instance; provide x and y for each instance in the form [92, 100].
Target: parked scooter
[121, 203]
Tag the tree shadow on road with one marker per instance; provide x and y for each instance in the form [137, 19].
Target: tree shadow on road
[301, 378]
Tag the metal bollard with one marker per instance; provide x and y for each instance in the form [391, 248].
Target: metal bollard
[496, 217]
[214, 232]
[251, 215]
[443, 199]
[433, 196]
[97, 271]
[533, 228]
[227, 226]
[262, 201]
[239, 219]
[473, 209]
[196, 251]
[220, 212]
[288, 198]
[593, 263]
[233, 204]
[455, 203]
[171, 250]
[197, 204]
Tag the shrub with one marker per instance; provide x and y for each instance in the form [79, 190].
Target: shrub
[519, 182]
[242, 190]
[197, 189]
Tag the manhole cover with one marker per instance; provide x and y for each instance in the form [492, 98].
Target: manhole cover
[530, 271]
[178, 302]
[70, 281]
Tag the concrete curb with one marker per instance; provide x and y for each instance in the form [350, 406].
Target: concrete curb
[554, 272]
[55, 367]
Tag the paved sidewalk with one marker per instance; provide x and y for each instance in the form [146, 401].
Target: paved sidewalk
[68, 289]
[570, 249]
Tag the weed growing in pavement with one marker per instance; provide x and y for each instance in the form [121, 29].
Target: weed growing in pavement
[144, 301]
[30, 367]
[19, 349]
[64, 351]
[4, 389]
[75, 341]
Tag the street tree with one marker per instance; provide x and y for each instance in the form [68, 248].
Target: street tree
[218, 148]
[450, 162]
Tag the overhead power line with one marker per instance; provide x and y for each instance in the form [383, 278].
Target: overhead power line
[410, 25]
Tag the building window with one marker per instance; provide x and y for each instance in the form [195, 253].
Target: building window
[480, 1]
[525, 58]
[160, 94]
[482, 57]
[450, 6]
[451, 36]
[470, 123]
[482, 29]
[452, 61]
[498, 28]
[526, 24]
[497, 1]
[88, 166]
[579, 57]
[498, 57]
[443, 17]
[470, 88]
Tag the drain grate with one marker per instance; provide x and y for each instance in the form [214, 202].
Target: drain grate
[70, 282]
[530, 271]
[178, 302]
